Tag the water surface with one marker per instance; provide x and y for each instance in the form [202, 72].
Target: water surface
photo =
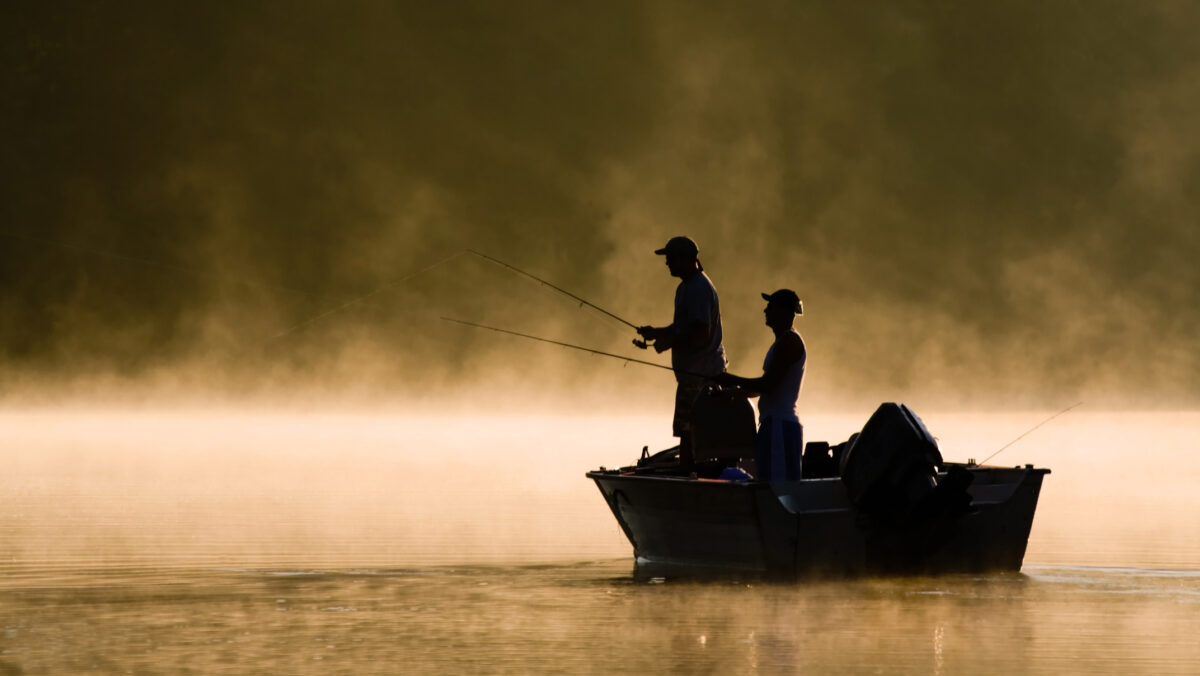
[277, 542]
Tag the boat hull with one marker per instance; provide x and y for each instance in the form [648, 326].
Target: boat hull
[810, 527]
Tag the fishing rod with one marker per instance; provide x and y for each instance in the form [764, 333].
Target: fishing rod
[573, 347]
[480, 254]
[490, 259]
[1076, 405]
[552, 286]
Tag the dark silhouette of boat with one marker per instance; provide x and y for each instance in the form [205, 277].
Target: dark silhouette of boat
[883, 502]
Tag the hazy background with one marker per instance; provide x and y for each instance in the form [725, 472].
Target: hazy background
[978, 202]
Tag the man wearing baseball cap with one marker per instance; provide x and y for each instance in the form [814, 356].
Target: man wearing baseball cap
[780, 440]
[694, 336]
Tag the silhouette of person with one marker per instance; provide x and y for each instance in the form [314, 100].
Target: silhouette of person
[694, 337]
[780, 440]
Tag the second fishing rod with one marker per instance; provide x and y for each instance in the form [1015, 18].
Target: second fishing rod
[642, 330]
[479, 254]
[589, 350]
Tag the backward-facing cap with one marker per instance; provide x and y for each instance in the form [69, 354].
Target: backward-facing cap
[785, 298]
[679, 246]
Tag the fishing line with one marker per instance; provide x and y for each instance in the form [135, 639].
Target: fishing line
[552, 286]
[480, 254]
[355, 301]
[1030, 430]
[574, 347]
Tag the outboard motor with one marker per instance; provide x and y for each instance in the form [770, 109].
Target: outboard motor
[890, 469]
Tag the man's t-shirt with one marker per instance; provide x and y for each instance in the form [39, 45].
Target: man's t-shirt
[696, 302]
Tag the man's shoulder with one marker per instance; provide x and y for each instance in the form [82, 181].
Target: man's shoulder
[698, 285]
[791, 344]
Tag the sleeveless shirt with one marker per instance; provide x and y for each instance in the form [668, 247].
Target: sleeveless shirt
[780, 403]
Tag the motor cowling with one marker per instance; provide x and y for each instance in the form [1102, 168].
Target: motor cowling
[890, 468]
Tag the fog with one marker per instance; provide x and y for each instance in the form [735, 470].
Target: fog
[978, 203]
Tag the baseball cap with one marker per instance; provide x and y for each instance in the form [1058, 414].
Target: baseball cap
[786, 298]
[679, 246]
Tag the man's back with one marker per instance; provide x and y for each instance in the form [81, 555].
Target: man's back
[696, 302]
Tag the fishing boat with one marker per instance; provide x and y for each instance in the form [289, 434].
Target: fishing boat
[882, 502]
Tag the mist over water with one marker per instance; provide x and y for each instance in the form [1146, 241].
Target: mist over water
[111, 487]
[976, 203]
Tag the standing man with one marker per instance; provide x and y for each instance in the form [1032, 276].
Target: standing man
[780, 439]
[694, 336]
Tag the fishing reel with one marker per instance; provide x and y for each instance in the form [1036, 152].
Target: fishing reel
[644, 343]
[652, 337]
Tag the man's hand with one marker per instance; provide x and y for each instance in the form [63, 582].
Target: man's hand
[736, 385]
[661, 338]
[647, 334]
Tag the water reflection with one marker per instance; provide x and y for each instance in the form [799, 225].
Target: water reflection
[592, 618]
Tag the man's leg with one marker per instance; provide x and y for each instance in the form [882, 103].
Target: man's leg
[764, 469]
[687, 451]
[687, 390]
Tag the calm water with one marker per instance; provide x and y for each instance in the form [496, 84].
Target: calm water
[211, 541]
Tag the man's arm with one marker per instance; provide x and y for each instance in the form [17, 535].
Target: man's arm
[695, 336]
[787, 352]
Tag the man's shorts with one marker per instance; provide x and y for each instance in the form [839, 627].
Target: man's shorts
[687, 391]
